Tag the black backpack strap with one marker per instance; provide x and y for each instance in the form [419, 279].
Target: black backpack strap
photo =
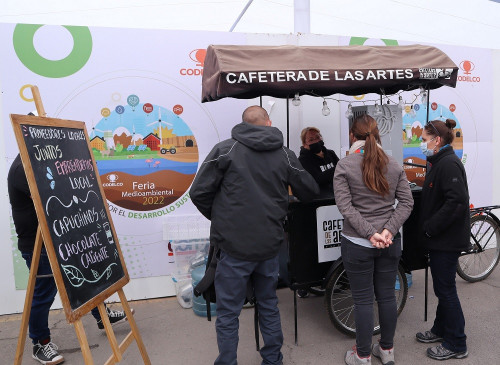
[205, 286]
[256, 325]
[209, 308]
[209, 277]
[251, 298]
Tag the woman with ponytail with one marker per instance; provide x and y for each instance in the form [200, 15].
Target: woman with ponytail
[367, 184]
[445, 233]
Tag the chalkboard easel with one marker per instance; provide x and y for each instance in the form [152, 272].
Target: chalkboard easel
[74, 225]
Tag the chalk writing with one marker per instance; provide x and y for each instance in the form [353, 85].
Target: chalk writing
[79, 226]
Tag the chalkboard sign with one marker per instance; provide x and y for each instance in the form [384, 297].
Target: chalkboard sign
[77, 230]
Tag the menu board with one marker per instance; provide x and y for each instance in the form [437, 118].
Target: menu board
[72, 211]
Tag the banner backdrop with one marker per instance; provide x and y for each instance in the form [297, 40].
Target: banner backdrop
[139, 92]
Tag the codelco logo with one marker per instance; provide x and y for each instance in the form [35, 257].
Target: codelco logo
[112, 178]
[198, 57]
[467, 67]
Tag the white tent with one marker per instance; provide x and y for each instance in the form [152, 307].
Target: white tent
[453, 22]
[456, 22]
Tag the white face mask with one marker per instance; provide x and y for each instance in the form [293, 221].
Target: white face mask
[426, 151]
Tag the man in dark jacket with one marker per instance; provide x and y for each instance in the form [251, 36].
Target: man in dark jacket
[242, 187]
[319, 161]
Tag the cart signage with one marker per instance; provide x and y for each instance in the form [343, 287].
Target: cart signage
[329, 223]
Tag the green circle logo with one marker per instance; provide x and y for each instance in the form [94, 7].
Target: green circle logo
[359, 41]
[27, 54]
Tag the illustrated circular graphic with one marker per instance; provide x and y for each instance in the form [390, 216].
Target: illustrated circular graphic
[359, 41]
[105, 112]
[147, 164]
[133, 100]
[21, 93]
[28, 55]
[178, 109]
[413, 125]
[152, 167]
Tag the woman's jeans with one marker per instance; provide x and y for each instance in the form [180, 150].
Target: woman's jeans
[450, 322]
[43, 297]
[372, 273]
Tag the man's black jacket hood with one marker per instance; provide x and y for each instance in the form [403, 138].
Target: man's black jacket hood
[256, 137]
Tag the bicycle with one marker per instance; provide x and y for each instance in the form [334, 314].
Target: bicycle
[480, 260]
[475, 264]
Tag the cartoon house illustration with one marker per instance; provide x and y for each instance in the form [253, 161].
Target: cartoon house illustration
[98, 143]
[152, 141]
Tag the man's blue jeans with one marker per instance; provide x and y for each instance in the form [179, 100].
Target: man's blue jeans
[231, 280]
[43, 297]
[450, 322]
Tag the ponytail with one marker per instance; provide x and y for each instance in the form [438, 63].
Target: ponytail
[375, 160]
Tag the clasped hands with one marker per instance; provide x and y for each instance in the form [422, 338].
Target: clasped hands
[381, 240]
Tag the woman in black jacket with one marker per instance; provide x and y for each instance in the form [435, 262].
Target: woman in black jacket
[445, 224]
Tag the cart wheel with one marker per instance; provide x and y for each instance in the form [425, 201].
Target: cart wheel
[340, 305]
[317, 290]
[478, 263]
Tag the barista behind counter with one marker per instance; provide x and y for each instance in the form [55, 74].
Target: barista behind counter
[317, 160]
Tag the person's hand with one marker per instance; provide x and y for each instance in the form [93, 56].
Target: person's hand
[388, 236]
[378, 241]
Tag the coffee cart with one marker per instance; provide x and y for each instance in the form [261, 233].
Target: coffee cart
[288, 72]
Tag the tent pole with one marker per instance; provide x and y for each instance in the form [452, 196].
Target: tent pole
[428, 98]
[287, 122]
[241, 14]
[301, 16]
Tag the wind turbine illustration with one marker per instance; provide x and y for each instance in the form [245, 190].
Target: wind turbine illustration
[107, 136]
[159, 121]
[94, 129]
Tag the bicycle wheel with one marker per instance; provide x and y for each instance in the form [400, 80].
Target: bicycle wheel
[340, 305]
[478, 263]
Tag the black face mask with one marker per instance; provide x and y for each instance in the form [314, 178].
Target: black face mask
[316, 147]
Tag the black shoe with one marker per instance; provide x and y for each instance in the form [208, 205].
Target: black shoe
[114, 317]
[428, 337]
[47, 354]
[442, 353]
[302, 293]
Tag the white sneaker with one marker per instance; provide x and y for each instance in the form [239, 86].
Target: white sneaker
[352, 358]
[386, 356]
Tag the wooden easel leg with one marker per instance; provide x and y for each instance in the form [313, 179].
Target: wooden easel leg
[38, 101]
[109, 332]
[84, 344]
[21, 341]
[135, 329]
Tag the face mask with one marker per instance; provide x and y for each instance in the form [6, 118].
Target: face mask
[427, 152]
[316, 147]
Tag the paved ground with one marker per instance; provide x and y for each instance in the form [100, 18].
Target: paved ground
[174, 335]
